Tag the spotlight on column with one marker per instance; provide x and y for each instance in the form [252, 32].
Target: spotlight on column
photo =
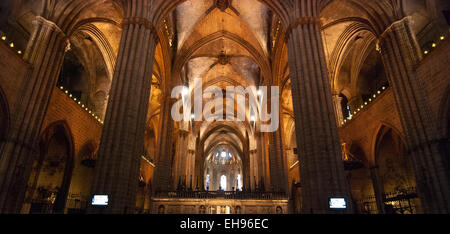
[185, 91]
[259, 92]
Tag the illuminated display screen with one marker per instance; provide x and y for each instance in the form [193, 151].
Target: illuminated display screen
[338, 203]
[100, 200]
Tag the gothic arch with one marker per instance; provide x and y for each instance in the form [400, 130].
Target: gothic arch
[55, 161]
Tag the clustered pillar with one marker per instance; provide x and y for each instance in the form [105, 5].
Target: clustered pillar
[123, 133]
[163, 171]
[45, 53]
[400, 54]
[321, 166]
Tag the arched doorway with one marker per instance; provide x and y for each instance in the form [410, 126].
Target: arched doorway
[395, 174]
[52, 171]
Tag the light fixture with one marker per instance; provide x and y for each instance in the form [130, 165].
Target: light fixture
[11, 45]
[370, 99]
[365, 103]
[66, 92]
[4, 38]
[19, 52]
[378, 91]
[185, 91]
[61, 87]
[383, 88]
[425, 52]
[433, 45]
[374, 96]
[442, 38]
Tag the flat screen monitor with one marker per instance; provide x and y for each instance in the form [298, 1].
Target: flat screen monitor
[338, 203]
[100, 200]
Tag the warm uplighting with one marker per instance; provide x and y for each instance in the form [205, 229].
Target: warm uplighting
[433, 45]
[425, 52]
[442, 38]
[364, 105]
[82, 105]
[11, 45]
[3, 38]
[185, 91]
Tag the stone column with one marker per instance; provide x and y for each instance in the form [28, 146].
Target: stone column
[400, 54]
[378, 189]
[120, 150]
[321, 166]
[180, 170]
[163, 171]
[260, 161]
[45, 53]
[337, 101]
[278, 170]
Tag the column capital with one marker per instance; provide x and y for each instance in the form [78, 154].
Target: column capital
[50, 25]
[142, 22]
[39, 20]
[388, 29]
[301, 21]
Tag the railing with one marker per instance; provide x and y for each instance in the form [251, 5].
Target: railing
[399, 202]
[42, 201]
[243, 195]
[76, 203]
